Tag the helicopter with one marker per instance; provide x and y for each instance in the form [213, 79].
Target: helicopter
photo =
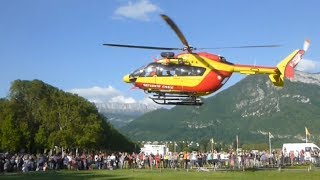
[184, 78]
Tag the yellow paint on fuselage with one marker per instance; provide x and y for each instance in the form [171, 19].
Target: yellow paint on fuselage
[200, 61]
[221, 66]
[184, 81]
[215, 65]
[276, 74]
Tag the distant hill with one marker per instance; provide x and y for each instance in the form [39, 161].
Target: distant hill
[251, 108]
[120, 114]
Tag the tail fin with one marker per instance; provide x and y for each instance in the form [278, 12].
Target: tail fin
[286, 67]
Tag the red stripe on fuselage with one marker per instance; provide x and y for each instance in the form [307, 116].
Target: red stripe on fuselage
[212, 57]
[210, 83]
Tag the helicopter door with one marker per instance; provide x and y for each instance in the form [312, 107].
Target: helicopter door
[189, 76]
[180, 81]
[177, 78]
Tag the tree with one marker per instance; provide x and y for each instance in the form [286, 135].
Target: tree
[37, 116]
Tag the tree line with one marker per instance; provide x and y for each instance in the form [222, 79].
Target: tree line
[36, 116]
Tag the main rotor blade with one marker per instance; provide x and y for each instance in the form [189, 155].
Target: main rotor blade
[238, 47]
[142, 47]
[175, 28]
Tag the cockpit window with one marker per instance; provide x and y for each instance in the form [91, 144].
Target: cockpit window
[151, 70]
[168, 70]
[139, 72]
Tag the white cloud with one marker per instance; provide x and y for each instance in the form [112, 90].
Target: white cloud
[102, 94]
[110, 94]
[307, 65]
[139, 10]
[122, 99]
[96, 91]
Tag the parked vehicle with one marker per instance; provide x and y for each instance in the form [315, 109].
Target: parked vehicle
[310, 149]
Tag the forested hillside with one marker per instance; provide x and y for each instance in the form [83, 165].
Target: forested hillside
[36, 116]
[250, 109]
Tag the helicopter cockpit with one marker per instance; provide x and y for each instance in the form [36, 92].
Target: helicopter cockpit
[162, 70]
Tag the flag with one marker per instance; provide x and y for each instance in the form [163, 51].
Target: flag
[270, 135]
[307, 132]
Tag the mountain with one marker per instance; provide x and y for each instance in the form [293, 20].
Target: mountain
[251, 108]
[120, 114]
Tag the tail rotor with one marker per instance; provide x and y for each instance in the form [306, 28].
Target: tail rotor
[306, 44]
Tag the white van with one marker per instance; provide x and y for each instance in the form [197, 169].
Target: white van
[154, 149]
[310, 149]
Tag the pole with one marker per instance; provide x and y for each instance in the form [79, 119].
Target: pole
[237, 144]
[306, 135]
[306, 138]
[269, 144]
[212, 145]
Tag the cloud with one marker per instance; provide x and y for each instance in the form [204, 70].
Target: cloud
[122, 99]
[139, 10]
[307, 65]
[111, 95]
[102, 94]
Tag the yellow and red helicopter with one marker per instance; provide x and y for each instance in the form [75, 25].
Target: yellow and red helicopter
[182, 79]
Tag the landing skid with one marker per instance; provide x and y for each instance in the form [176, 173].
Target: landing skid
[172, 99]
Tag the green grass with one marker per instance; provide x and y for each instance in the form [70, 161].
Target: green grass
[167, 174]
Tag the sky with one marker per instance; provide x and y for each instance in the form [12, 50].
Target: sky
[60, 42]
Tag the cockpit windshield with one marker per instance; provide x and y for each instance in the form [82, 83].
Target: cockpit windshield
[138, 72]
[168, 70]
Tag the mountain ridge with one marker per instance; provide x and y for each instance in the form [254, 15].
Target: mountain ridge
[120, 114]
[251, 108]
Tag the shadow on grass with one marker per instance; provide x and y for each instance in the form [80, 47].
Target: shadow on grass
[63, 175]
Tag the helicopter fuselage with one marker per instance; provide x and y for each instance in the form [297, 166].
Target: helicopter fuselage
[186, 73]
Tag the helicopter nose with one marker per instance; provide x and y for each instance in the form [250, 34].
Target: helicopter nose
[126, 79]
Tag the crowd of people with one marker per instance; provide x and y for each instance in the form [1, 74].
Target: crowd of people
[121, 160]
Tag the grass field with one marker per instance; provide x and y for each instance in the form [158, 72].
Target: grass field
[167, 174]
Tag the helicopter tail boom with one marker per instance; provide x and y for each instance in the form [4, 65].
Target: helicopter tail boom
[285, 69]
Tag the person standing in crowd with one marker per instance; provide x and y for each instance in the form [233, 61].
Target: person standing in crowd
[215, 159]
[291, 155]
[121, 159]
[96, 160]
[2, 161]
[113, 161]
[150, 160]
[199, 159]
[209, 158]
[231, 160]
[146, 161]
[186, 159]
[166, 160]
[193, 160]
[157, 160]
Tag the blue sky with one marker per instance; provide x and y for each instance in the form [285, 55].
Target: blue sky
[60, 42]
